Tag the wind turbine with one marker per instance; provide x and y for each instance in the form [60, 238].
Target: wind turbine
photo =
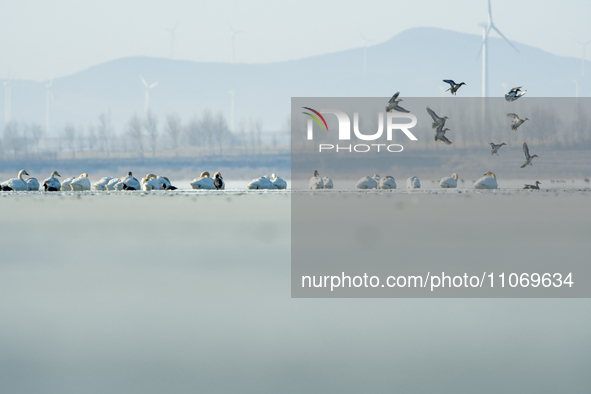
[365, 42]
[48, 98]
[486, 28]
[583, 58]
[172, 37]
[7, 99]
[147, 93]
[234, 32]
[232, 92]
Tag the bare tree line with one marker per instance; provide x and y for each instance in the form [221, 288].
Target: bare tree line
[143, 135]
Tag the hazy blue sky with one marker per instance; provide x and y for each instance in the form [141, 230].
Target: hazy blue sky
[39, 38]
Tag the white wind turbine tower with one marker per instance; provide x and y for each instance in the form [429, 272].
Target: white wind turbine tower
[147, 93]
[48, 98]
[172, 38]
[583, 58]
[486, 28]
[234, 32]
[232, 93]
[365, 42]
[7, 99]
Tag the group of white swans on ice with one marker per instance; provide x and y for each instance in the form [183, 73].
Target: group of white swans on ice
[488, 181]
[130, 183]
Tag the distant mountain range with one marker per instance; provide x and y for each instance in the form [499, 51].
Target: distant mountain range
[413, 62]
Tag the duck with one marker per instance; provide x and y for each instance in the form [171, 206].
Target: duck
[438, 122]
[387, 182]
[494, 148]
[218, 181]
[66, 184]
[32, 184]
[413, 183]
[130, 183]
[367, 183]
[514, 94]
[81, 183]
[453, 86]
[449, 182]
[516, 121]
[278, 183]
[203, 182]
[487, 181]
[327, 182]
[16, 184]
[52, 184]
[528, 157]
[536, 186]
[102, 183]
[440, 136]
[261, 183]
[393, 104]
[316, 182]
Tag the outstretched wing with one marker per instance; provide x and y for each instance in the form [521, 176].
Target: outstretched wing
[524, 164]
[526, 150]
[433, 114]
[400, 109]
[445, 140]
[450, 81]
[514, 116]
[393, 99]
[516, 89]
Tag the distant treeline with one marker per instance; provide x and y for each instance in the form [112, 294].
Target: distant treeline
[143, 136]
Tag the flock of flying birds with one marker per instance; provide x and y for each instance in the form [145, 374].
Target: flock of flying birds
[439, 122]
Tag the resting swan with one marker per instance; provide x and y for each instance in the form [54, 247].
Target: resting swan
[367, 182]
[203, 182]
[102, 184]
[81, 183]
[413, 183]
[278, 183]
[112, 184]
[52, 184]
[130, 182]
[449, 182]
[387, 182]
[32, 184]
[16, 184]
[316, 182]
[66, 184]
[261, 183]
[488, 181]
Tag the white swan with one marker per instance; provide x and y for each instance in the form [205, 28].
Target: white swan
[316, 182]
[52, 184]
[278, 183]
[153, 183]
[203, 182]
[387, 182]
[449, 182]
[32, 184]
[262, 183]
[16, 184]
[81, 183]
[129, 182]
[102, 184]
[413, 183]
[66, 184]
[367, 183]
[111, 185]
[488, 181]
[327, 182]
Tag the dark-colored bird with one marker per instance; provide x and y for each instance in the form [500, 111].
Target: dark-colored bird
[494, 148]
[514, 94]
[516, 121]
[6, 189]
[440, 136]
[393, 104]
[217, 182]
[536, 187]
[453, 86]
[437, 121]
[528, 157]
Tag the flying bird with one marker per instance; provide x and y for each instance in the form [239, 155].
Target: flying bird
[393, 104]
[528, 157]
[437, 121]
[453, 86]
[516, 121]
[440, 136]
[514, 94]
[536, 187]
[495, 148]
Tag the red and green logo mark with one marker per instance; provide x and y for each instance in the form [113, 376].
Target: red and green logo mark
[315, 118]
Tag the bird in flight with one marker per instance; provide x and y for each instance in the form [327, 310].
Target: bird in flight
[516, 121]
[453, 86]
[528, 157]
[495, 148]
[393, 104]
[514, 94]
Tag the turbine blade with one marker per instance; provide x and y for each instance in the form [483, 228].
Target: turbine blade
[505, 38]
[489, 12]
[154, 84]
[144, 81]
[483, 41]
